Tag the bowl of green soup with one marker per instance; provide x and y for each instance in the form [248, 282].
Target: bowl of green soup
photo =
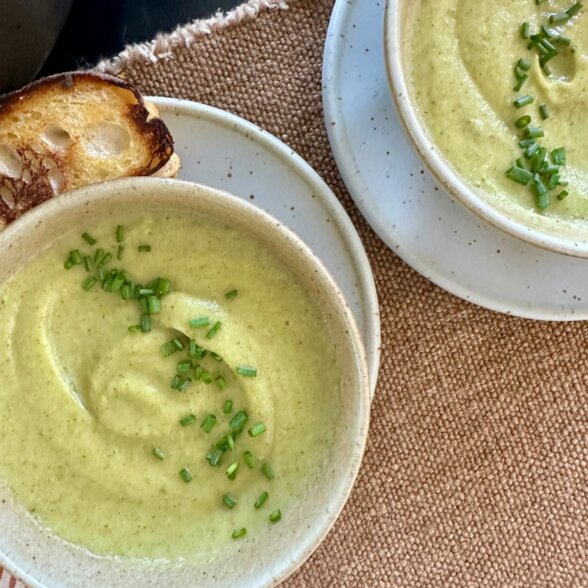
[185, 395]
[493, 96]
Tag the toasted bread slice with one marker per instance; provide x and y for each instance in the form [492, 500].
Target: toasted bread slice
[74, 129]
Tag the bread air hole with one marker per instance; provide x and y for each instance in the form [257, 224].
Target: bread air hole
[10, 162]
[56, 137]
[106, 139]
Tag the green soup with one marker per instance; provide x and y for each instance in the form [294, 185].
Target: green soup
[461, 59]
[85, 401]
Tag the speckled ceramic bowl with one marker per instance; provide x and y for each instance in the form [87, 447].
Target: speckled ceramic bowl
[44, 560]
[560, 235]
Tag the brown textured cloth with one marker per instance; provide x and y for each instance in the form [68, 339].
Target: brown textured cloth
[475, 472]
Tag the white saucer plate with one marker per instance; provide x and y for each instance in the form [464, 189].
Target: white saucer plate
[224, 151]
[430, 231]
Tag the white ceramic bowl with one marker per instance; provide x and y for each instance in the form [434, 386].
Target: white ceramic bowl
[563, 236]
[43, 560]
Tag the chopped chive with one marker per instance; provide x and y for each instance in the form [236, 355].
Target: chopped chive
[232, 470]
[523, 101]
[145, 323]
[247, 371]
[231, 294]
[521, 82]
[184, 367]
[178, 343]
[88, 263]
[117, 282]
[76, 257]
[185, 475]
[525, 143]
[88, 239]
[558, 156]
[524, 64]
[231, 442]
[184, 384]
[198, 371]
[562, 195]
[228, 407]
[525, 30]
[573, 10]
[549, 169]
[257, 430]
[275, 516]
[541, 194]
[120, 234]
[216, 356]
[68, 263]
[126, 292]
[519, 175]
[229, 501]
[239, 533]
[144, 248]
[187, 420]
[144, 292]
[261, 500]
[559, 18]
[547, 32]
[199, 322]
[534, 132]
[238, 421]
[106, 259]
[520, 163]
[153, 304]
[553, 181]
[158, 453]
[544, 111]
[99, 256]
[250, 459]
[194, 350]
[562, 40]
[549, 47]
[268, 471]
[120, 251]
[89, 283]
[214, 457]
[523, 121]
[163, 286]
[208, 423]
[221, 383]
[206, 377]
[134, 328]
[168, 348]
[531, 150]
[214, 330]
[176, 382]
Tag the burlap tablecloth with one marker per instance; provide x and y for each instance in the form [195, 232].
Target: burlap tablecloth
[476, 467]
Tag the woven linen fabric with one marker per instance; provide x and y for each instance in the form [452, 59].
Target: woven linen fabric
[475, 472]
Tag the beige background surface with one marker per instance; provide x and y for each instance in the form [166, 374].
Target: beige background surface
[476, 467]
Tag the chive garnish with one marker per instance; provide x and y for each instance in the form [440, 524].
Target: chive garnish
[184, 367]
[134, 328]
[275, 516]
[68, 263]
[199, 322]
[194, 350]
[521, 82]
[221, 383]
[158, 453]
[261, 500]
[106, 259]
[178, 343]
[184, 384]
[126, 292]
[187, 420]
[247, 371]
[76, 257]
[88, 239]
[257, 430]
[523, 101]
[238, 421]
[534, 132]
[228, 407]
[120, 251]
[525, 30]
[117, 282]
[519, 175]
[216, 356]
[208, 423]
[214, 330]
[231, 442]
[268, 471]
[544, 111]
[144, 248]
[214, 457]
[249, 459]
[89, 283]
[120, 233]
[229, 501]
[153, 304]
[523, 121]
[541, 194]
[558, 156]
[88, 263]
[145, 323]
[562, 195]
[559, 18]
[573, 10]
[239, 533]
[185, 475]
[232, 470]
[176, 382]
[231, 294]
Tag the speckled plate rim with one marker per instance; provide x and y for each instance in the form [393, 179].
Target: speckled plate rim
[339, 139]
[370, 329]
